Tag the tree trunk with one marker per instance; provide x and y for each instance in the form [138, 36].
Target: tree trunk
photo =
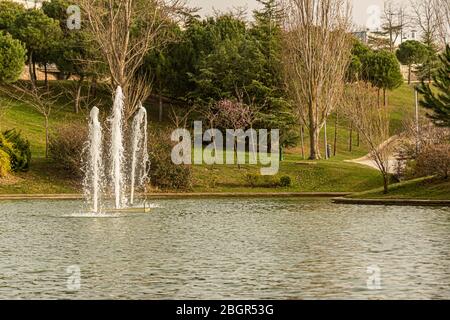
[94, 87]
[236, 154]
[409, 74]
[358, 140]
[385, 183]
[30, 70]
[350, 140]
[46, 137]
[336, 123]
[314, 137]
[385, 97]
[34, 71]
[379, 99]
[78, 95]
[325, 137]
[160, 102]
[46, 76]
[302, 137]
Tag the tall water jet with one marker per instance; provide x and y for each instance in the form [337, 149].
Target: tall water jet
[139, 151]
[93, 181]
[117, 148]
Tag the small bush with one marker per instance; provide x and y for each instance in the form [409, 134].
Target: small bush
[19, 150]
[269, 182]
[285, 181]
[5, 164]
[258, 181]
[164, 174]
[252, 179]
[434, 160]
[66, 147]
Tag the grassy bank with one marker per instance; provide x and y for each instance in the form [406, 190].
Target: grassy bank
[423, 188]
[332, 175]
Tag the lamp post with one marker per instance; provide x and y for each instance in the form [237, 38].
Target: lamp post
[416, 95]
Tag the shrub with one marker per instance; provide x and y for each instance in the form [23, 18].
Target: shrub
[18, 149]
[285, 181]
[5, 163]
[255, 180]
[434, 160]
[66, 147]
[252, 179]
[164, 174]
[269, 182]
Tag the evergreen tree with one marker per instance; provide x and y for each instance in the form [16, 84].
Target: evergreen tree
[12, 58]
[430, 64]
[268, 33]
[355, 68]
[71, 52]
[382, 70]
[9, 11]
[38, 32]
[438, 99]
[411, 53]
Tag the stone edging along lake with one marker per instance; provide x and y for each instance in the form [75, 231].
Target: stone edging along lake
[337, 197]
[198, 195]
[394, 202]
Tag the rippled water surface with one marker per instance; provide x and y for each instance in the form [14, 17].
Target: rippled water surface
[225, 248]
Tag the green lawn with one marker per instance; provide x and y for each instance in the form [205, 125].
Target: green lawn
[333, 175]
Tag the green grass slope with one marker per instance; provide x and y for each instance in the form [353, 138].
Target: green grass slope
[417, 189]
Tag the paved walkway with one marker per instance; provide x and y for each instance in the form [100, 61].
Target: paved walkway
[392, 161]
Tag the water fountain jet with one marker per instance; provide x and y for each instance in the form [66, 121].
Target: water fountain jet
[93, 181]
[139, 151]
[117, 149]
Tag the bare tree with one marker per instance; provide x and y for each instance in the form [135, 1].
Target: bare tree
[317, 51]
[361, 108]
[426, 19]
[236, 115]
[125, 31]
[442, 13]
[39, 98]
[180, 117]
[394, 21]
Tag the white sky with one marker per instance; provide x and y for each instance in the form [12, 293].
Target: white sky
[360, 7]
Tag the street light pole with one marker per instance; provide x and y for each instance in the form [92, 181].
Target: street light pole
[416, 94]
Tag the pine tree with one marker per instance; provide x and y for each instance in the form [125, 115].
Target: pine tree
[267, 30]
[438, 98]
[275, 111]
[430, 64]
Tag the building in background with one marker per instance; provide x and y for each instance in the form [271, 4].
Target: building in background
[30, 3]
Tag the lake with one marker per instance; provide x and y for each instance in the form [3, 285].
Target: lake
[225, 249]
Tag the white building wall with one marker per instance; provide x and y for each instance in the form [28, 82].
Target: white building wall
[30, 3]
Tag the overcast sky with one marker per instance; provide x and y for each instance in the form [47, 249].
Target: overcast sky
[360, 7]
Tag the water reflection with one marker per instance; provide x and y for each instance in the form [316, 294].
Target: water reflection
[225, 248]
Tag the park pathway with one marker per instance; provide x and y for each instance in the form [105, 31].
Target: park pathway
[392, 161]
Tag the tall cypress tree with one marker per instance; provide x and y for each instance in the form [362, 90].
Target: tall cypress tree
[438, 99]
[276, 112]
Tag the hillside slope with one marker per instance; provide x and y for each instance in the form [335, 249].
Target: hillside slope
[332, 175]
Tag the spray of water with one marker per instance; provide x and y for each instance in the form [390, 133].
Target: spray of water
[93, 182]
[94, 174]
[117, 149]
[139, 152]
